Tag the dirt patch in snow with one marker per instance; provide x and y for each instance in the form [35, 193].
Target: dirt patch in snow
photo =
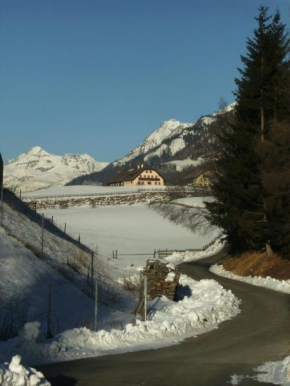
[258, 264]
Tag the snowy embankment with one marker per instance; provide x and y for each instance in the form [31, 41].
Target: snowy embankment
[183, 257]
[267, 282]
[277, 373]
[15, 374]
[205, 305]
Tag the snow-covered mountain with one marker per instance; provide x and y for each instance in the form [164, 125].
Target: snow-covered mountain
[165, 132]
[173, 140]
[37, 169]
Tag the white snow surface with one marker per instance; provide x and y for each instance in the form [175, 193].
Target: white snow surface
[88, 190]
[277, 373]
[15, 374]
[27, 278]
[134, 229]
[194, 201]
[182, 257]
[206, 305]
[267, 282]
[37, 169]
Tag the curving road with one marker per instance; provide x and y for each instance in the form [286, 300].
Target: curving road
[260, 333]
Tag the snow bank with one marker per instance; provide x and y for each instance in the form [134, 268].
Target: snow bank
[182, 257]
[267, 282]
[205, 304]
[277, 373]
[15, 374]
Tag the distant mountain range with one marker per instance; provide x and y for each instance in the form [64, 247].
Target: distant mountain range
[174, 146]
[165, 147]
[37, 169]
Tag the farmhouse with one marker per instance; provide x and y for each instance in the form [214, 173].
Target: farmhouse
[140, 175]
[202, 179]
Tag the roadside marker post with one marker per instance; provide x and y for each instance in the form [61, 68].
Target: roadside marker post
[145, 298]
[96, 305]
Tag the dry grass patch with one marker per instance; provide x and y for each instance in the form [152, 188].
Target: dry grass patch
[258, 264]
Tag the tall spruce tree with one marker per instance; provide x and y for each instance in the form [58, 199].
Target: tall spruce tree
[240, 208]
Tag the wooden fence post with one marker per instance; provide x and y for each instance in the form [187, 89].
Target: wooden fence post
[116, 254]
[154, 253]
[52, 220]
[113, 254]
[65, 228]
[92, 273]
[96, 305]
[145, 298]
[79, 239]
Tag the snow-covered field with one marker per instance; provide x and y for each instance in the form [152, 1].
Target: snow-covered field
[132, 229]
[83, 190]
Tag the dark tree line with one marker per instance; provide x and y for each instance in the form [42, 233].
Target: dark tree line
[252, 185]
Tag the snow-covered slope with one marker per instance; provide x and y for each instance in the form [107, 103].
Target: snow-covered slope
[38, 169]
[170, 138]
[154, 141]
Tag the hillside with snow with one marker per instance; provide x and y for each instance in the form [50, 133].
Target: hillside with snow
[171, 141]
[38, 169]
[152, 144]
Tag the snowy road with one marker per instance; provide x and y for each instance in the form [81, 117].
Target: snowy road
[258, 334]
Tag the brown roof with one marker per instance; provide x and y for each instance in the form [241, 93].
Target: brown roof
[130, 174]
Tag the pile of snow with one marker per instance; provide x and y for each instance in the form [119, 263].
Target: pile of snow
[205, 305]
[267, 282]
[15, 374]
[277, 373]
[182, 257]
[37, 169]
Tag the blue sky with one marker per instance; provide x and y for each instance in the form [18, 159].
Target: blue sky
[97, 76]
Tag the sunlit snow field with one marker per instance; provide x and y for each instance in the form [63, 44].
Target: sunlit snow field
[133, 229]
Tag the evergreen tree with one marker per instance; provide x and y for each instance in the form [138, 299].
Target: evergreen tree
[240, 208]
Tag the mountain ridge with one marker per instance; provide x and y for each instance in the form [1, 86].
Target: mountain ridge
[38, 169]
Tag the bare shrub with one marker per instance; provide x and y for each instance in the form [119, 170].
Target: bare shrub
[131, 283]
[78, 260]
[13, 315]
